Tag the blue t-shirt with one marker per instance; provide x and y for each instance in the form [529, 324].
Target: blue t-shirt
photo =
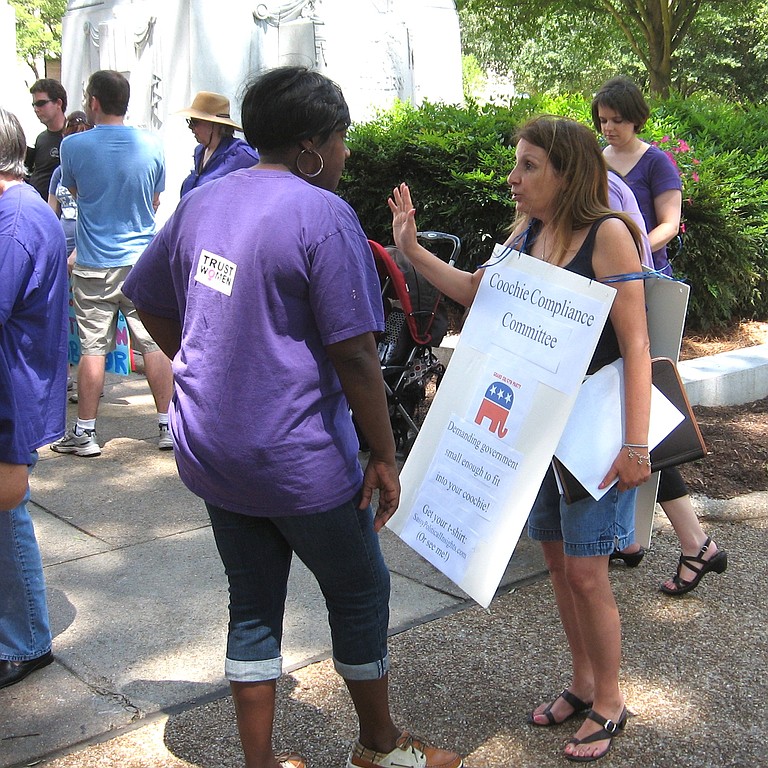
[263, 270]
[33, 324]
[117, 170]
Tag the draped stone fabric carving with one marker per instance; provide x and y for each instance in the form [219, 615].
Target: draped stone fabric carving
[377, 50]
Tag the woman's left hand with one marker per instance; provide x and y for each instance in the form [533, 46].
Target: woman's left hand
[628, 470]
[384, 476]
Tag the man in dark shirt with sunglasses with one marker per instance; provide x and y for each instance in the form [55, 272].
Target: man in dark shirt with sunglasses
[49, 100]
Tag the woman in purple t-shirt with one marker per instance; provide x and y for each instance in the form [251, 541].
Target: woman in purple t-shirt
[620, 112]
[262, 288]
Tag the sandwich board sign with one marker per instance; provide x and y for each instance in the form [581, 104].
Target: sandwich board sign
[475, 468]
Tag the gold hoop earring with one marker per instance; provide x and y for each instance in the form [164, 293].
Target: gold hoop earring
[304, 173]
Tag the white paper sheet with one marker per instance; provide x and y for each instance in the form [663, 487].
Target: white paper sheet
[598, 416]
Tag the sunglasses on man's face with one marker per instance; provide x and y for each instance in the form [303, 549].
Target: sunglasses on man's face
[41, 103]
[192, 123]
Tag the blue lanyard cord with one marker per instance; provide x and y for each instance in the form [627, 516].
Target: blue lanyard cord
[511, 248]
[636, 276]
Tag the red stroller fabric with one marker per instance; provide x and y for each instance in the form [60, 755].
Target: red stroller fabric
[422, 310]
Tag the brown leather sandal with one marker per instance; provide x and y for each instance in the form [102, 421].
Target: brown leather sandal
[578, 705]
[608, 729]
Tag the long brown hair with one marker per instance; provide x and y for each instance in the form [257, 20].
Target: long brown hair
[575, 155]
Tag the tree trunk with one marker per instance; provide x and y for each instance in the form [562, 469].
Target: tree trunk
[661, 78]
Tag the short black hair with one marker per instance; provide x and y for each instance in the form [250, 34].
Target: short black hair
[623, 96]
[53, 88]
[283, 106]
[111, 89]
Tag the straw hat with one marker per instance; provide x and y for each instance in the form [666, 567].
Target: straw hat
[212, 107]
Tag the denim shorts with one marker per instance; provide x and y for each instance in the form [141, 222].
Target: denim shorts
[342, 551]
[587, 528]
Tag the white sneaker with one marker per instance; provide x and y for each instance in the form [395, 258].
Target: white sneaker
[165, 441]
[410, 752]
[81, 445]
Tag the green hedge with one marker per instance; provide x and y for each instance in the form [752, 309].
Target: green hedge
[456, 161]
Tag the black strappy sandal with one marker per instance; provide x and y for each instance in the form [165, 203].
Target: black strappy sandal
[717, 563]
[578, 705]
[608, 729]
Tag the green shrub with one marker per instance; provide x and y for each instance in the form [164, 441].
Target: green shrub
[456, 161]
[722, 257]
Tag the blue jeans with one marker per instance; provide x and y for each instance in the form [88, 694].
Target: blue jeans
[24, 630]
[341, 550]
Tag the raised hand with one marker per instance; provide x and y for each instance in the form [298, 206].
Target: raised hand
[403, 218]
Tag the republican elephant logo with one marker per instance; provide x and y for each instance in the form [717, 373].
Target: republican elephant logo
[495, 407]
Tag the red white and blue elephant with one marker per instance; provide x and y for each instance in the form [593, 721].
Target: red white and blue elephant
[495, 407]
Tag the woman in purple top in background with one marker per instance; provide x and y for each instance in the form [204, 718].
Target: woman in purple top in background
[619, 112]
[622, 198]
[218, 152]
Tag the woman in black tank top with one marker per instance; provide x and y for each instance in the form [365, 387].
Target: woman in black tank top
[560, 188]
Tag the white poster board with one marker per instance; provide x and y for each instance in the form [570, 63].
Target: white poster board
[490, 434]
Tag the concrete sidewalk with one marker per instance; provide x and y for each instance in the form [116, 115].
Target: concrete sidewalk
[138, 605]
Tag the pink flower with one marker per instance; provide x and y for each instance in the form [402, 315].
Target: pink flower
[694, 176]
[682, 227]
[665, 139]
[696, 161]
[683, 145]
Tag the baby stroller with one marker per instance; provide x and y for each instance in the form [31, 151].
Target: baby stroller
[416, 321]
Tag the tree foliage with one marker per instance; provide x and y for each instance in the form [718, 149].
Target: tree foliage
[38, 30]
[652, 32]
[456, 161]
[726, 54]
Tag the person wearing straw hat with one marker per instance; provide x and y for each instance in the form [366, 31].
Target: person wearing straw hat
[218, 151]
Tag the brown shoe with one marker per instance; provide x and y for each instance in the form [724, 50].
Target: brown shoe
[290, 760]
[410, 752]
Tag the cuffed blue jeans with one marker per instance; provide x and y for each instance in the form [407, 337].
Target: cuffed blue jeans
[24, 629]
[342, 551]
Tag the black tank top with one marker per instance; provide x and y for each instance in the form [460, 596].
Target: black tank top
[607, 349]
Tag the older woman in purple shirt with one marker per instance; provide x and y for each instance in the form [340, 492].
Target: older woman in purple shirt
[218, 152]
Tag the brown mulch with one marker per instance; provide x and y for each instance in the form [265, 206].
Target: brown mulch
[736, 435]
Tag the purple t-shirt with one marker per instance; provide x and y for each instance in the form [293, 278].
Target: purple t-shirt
[33, 324]
[621, 198]
[263, 270]
[653, 174]
[230, 155]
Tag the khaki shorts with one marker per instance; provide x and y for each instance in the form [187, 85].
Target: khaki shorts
[98, 295]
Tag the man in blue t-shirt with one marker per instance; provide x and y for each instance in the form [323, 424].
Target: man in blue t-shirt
[33, 376]
[116, 172]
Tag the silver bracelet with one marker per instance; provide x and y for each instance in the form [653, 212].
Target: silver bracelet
[635, 445]
[641, 459]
